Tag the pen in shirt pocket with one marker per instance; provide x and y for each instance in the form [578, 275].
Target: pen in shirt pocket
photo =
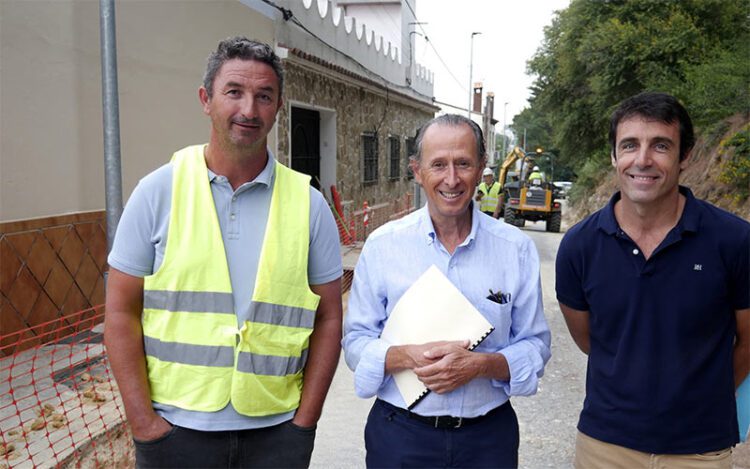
[499, 297]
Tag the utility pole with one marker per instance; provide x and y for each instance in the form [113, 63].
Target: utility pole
[471, 69]
[111, 118]
[505, 109]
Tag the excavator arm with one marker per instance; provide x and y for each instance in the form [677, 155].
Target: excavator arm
[514, 155]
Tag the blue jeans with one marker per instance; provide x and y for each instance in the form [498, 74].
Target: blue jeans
[281, 446]
[393, 439]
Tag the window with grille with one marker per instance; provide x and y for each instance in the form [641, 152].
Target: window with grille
[369, 158]
[394, 142]
[411, 150]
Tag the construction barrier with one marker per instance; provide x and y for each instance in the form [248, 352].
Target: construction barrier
[365, 220]
[59, 404]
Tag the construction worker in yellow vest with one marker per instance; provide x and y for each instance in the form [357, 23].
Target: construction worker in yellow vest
[488, 192]
[223, 312]
[536, 174]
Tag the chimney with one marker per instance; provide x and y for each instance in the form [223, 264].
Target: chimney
[489, 107]
[487, 124]
[477, 98]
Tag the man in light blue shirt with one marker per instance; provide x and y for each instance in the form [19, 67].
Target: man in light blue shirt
[467, 419]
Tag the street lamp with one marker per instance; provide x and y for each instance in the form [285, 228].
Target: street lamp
[411, 46]
[411, 60]
[471, 67]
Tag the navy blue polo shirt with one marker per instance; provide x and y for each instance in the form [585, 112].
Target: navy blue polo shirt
[660, 376]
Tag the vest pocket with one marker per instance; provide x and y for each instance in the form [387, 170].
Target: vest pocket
[190, 387]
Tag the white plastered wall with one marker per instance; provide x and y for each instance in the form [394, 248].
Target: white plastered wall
[51, 144]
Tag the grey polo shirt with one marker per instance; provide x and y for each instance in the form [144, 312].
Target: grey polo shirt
[141, 239]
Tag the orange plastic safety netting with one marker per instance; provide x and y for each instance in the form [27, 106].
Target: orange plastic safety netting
[355, 224]
[59, 404]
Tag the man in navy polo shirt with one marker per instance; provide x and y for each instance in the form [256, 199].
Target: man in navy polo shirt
[655, 289]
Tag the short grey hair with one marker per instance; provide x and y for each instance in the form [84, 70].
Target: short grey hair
[452, 120]
[240, 47]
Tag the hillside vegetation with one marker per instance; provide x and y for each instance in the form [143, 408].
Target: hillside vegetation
[598, 52]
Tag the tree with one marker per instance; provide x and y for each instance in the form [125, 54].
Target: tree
[598, 52]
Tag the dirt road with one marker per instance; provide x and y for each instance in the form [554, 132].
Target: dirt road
[548, 419]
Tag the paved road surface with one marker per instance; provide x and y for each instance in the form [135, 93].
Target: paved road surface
[547, 420]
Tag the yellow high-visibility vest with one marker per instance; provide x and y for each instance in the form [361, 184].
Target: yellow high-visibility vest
[197, 357]
[489, 200]
[536, 175]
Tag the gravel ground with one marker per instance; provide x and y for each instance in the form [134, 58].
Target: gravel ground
[548, 419]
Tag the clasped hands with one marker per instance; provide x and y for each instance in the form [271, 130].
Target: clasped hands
[442, 366]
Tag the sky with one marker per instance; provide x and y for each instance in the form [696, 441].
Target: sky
[512, 30]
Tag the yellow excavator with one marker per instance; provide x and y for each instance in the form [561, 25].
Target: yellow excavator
[522, 200]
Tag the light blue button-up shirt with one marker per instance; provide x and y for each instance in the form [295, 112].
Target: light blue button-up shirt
[494, 256]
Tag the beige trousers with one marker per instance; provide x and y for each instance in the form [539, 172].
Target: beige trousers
[595, 454]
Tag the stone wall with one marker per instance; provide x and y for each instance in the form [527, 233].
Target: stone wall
[360, 107]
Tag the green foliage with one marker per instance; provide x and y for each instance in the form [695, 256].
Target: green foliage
[719, 87]
[590, 175]
[539, 134]
[736, 168]
[598, 52]
[713, 133]
[564, 173]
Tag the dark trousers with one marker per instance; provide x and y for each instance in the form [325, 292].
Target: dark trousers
[281, 446]
[393, 439]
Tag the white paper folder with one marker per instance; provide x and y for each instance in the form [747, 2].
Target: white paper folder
[431, 309]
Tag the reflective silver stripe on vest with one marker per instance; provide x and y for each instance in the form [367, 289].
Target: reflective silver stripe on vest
[189, 301]
[189, 354]
[270, 365]
[278, 315]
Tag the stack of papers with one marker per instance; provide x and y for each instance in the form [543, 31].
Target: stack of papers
[432, 309]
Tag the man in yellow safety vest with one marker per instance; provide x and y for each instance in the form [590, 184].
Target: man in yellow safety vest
[536, 174]
[223, 314]
[487, 193]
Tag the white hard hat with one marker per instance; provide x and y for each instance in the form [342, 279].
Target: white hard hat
[535, 168]
[487, 172]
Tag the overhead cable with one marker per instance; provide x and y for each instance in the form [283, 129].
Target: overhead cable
[432, 46]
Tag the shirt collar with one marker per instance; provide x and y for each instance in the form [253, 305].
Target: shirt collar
[689, 220]
[607, 221]
[265, 177]
[691, 215]
[428, 229]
